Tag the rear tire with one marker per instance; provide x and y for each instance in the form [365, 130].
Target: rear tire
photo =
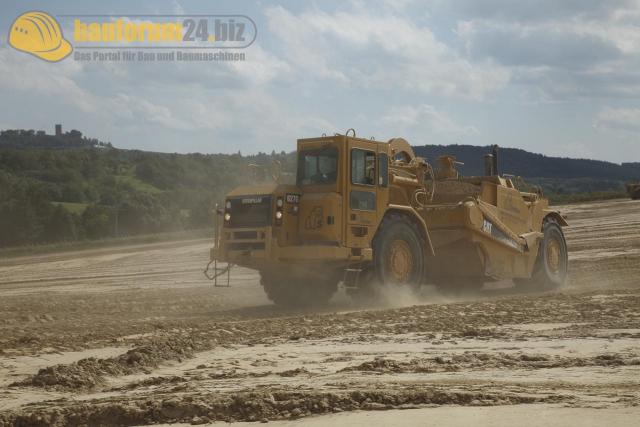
[398, 254]
[297, 292]
[552, 264]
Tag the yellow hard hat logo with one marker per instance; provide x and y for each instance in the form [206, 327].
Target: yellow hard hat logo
[39, 34]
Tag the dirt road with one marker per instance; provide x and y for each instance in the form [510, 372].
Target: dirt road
[136, 336]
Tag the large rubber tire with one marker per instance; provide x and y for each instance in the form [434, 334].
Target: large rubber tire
[399, 254]
[297, 292]
[551, 269]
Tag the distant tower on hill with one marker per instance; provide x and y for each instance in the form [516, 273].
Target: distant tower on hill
[58, 130]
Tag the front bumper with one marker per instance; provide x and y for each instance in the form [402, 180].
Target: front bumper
[265, 248]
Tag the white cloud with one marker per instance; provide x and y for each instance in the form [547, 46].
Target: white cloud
[618, 119]
[426, 117]
[302, 45]
[237, 116]
[554, 44]
[260, 67]
[22, 72]
[561, 51]
[379, 52]
[537, 10]
[144, 112]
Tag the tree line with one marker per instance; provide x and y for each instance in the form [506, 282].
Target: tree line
[91, 190]
[523, 163]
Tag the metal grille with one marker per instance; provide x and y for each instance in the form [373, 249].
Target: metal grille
[250, 211]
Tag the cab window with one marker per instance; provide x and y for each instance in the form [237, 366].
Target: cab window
[363, 167]
[383, 179]
[318, 167]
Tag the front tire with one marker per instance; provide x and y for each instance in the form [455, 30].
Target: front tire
[551, 269]
[398, 254]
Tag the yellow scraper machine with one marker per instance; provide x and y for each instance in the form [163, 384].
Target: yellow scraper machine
[372, 215]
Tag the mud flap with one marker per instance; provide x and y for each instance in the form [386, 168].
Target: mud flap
[531, 239]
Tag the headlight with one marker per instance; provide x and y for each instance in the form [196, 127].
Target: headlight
[279, 202]
[279, 215]
[227, 217]
[228, 204]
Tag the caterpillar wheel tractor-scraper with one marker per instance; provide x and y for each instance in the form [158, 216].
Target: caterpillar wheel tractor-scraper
[373, 216]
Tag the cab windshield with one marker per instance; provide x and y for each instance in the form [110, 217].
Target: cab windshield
[318, 167]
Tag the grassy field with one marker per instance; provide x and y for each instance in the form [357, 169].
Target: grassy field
[137, 184]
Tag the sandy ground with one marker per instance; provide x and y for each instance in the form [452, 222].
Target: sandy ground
[137, 336]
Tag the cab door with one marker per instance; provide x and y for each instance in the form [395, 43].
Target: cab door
[362, 195]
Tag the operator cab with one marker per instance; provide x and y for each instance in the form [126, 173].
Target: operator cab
[343, 181]
[318, 166]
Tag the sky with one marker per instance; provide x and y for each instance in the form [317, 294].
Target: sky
[558, 77]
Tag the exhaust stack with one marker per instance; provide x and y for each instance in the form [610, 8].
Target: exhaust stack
[494, 153]
[488, 165]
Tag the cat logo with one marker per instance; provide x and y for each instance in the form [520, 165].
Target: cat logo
[40, 35]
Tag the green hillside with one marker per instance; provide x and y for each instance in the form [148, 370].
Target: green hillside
[72, 188]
